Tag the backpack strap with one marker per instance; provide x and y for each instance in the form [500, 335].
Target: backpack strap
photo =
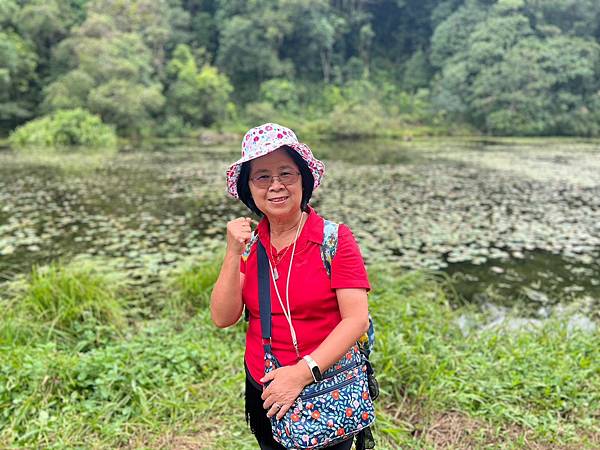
[253, 240]
[329, 245]
[328, 251]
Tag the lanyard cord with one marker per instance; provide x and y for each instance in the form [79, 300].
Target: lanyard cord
[288, 313]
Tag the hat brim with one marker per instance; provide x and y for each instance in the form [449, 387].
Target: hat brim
[316, 167]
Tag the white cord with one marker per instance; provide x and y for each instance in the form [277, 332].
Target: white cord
[288, 313]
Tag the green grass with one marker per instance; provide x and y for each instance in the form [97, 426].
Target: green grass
[175, 380]
[72, 305]
[191, 286]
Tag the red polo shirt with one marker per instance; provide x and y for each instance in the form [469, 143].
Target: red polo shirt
[313, 302]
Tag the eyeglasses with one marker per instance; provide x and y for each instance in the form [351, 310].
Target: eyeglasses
[264, 181]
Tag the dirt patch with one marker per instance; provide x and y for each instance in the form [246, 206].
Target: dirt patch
[455, 430]
[199, 440]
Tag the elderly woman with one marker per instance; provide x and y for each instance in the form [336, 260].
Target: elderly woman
[316, 315]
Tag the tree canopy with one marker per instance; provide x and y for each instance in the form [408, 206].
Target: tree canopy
[525, 67]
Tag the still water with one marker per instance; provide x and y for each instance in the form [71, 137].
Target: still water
[509, 222]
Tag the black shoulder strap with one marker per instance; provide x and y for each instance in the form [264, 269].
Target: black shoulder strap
[264, 296]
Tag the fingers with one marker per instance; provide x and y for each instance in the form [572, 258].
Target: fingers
[274, 409]
[269, 400]
[282, 411]
[239, 231]
[246, 230]
[278, 409]
[268, 377]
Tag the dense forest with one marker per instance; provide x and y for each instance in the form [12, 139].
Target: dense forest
[169, 67]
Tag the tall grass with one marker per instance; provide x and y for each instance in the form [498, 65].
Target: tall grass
[168, 383]
[546, 380]
[70, 304]
[191, 286]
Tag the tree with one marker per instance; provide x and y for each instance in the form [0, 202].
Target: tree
[70, 91]
[111, 70]
[200, 98]
[45, 23]
[542, 87]
[311, 37]
[509, 76]
[452, 35]
[18, 63]
[572, 17]
[248, 52]
[281, 93]
[128, 105]
[156, 22]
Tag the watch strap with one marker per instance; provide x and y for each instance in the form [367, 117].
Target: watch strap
[314, 368]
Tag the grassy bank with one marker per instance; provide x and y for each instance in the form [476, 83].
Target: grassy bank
[79, 373]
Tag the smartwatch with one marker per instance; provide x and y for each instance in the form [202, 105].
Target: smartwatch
[314, 368]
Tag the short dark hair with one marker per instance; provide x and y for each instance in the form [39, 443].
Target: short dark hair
[243, 186]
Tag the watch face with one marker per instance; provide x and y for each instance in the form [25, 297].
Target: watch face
[317, 373]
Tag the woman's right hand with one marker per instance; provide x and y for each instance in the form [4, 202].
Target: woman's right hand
[239, 233]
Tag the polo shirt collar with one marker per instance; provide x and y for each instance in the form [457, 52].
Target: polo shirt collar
[312, 230]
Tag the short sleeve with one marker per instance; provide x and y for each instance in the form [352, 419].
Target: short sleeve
[348, 267]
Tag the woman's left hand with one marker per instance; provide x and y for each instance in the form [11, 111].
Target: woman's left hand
[286, 383]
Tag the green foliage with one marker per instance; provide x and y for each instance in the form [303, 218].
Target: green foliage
[499, 374]
[259, 112]
[18, 63]
[70, 91]
[169, 67]
[510, 75]
[213, 93]
[192, 287]
[67, 301]
[8, 10]
[352, 120]
[45, 22]
[451, 35]
[128, 105]
[281, 93]
[75, 127]
[555, 95]
[200, 98]
[164, 376]
[248, 52]
[111, 58]
[309, 44]
[99, 394]
[417, 72]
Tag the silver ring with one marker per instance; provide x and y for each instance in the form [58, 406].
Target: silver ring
[278, 405]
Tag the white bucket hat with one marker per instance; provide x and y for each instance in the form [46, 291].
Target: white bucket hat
[265, 139]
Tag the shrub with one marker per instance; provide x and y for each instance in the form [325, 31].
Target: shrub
[260, 112]
[76, 127]
[281, 93]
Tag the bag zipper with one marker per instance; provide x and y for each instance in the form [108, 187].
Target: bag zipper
[329, 389]
[342, 369]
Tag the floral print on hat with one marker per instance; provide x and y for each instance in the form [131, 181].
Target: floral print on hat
[265, 139]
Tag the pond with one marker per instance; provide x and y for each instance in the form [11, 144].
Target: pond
[511, 222]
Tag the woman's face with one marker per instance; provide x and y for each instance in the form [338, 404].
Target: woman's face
[277, 201]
